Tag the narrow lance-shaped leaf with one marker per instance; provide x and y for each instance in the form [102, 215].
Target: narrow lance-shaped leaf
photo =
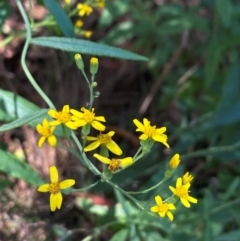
[86, 47]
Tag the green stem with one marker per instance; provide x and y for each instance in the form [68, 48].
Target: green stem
[24, 53]
[151, 188]
[85, 188]
[211, 150]
[125, 193]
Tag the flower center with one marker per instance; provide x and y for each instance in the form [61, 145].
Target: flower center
[182, 192]
[150, 130]
[88, 116]
[47, 132]
[54, 187]
[163, 208]
[114, 165]
[63, 117]
[104, 138]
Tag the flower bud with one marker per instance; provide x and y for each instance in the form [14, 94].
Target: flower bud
[79, 61]
[94, 65]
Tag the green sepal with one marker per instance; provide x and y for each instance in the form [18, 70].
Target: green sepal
[104, 151]
[86, 129]
[147, 145]
[107, 175]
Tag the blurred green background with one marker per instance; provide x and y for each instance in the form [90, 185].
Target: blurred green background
[191, 85]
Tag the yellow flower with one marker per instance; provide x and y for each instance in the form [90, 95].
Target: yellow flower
[163, 208]
[151, 131]
[79, 23]
[54, 188]
[84, 9]
[187, 178]
[114, 164]
[88, 117]
[100, 3]
[94, 65]
[62, 117]
[88, 34]
[182, 192]
[174, 162]
[47, 132]
[67, 1]
[103, 139]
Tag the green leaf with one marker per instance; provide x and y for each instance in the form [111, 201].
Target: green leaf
[224, 9]
[4, 184]
[86, 47]
[61, 17]
[19, 169]
[120, 235]
[24, 120]
[13, 106]
[4, 12]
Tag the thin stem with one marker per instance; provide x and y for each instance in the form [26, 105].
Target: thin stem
[151, 188]
[125, 193]
[24, 53]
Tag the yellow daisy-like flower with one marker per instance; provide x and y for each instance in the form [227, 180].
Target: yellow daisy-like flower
[54, 188]
[62, 117]
[87, 34]
[163, 208]
[151, 131]
[47, 133]
[103, 139]
[182, 192]
[84, 9]
[79, 23]
[114, 164]
[174, 162]
[187, 178]
[88, 117]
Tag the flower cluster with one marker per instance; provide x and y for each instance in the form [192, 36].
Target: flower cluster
[103, 144]
[84, 10]
[181, 191]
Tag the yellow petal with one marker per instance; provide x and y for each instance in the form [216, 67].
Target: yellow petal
[111, 133]
[187, 185]
[39, 129]
[41, 141]
[45, 124]
[53, 174]
[52, 140]
[158, 200]
[44, 188]
[161, 214]
[179, 182]
[92, 146]
[143, 137]
[76, 113]
[91, 138]
[173, 189]
[161, 130]
[171, 206]
[154, 209]
[185, 202]
[65, 108]
[100, 118]
[114, 148]
[102, 159]
[53, 203]
[52, 113]
[192, 199]
[126, 161]
[54, 123]
[67, 183]
[146, 122]
[139, 125]
[170, 216]
[58, 199]
[71, 125]
[98, 126]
